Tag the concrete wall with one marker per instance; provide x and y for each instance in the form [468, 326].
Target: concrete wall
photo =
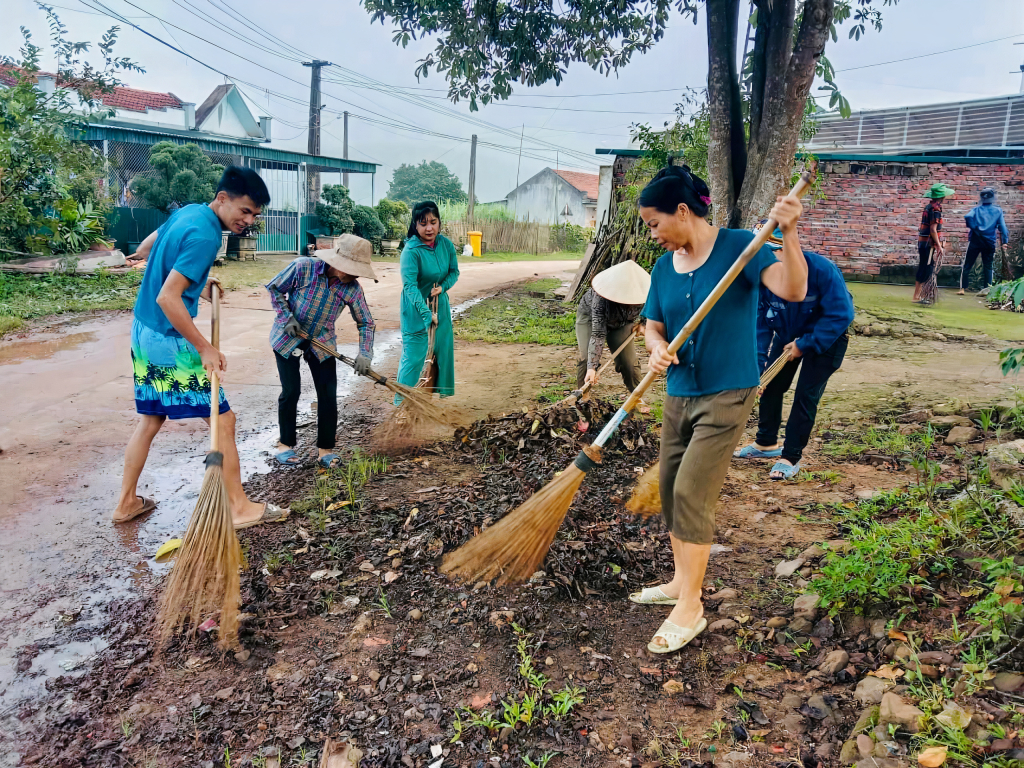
[604, 195]
[867, 223]
[544, 197]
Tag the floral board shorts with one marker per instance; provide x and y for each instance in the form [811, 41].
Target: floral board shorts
[169, 377]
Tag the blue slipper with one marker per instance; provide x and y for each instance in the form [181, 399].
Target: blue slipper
[328, 461]
[753, 452]
[286, 458]
[787, 471]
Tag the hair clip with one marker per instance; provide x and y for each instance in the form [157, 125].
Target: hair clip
[705, 199]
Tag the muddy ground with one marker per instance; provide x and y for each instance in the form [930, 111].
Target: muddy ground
[352, 633]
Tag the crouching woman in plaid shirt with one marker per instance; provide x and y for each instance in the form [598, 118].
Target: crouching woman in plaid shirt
[308, 296]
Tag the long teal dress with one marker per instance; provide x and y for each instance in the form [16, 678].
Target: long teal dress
[422, 268]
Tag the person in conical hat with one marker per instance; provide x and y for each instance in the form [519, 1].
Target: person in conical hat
[308, 295]
[605, 316]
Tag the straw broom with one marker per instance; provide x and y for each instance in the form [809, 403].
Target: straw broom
[205, 577]
[646, 498]
[513, 549]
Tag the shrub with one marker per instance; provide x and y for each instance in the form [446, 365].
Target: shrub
[181, 175]
[335, 209]
[394, 215]
[367, 225]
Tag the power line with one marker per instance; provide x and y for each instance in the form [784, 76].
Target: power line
[933, 53]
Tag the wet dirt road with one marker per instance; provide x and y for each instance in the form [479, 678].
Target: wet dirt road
[67, 413]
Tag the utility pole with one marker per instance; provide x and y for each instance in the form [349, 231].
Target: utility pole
[1021, 74]
[472, 181]
[313, 146]
[344, 152]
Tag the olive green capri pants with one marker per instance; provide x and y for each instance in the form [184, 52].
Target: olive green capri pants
[698, 437]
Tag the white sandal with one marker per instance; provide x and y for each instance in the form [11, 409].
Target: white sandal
[652, 596]
[675, 636]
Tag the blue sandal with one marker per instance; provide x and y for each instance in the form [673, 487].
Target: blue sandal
[753, 452]
[788, 471]
[286, 458]
[329, 461]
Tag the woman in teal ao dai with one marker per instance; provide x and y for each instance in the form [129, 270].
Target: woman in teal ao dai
[429, 267]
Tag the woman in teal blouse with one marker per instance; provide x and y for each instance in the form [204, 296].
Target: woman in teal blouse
[430, 267]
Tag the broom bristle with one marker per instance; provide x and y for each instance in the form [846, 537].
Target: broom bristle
[205, 576]
[417, 418]
[646, 498]
[512, 549]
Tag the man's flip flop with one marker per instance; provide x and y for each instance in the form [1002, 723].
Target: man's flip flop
[675, 636]
[753, 452]
[289, 458]
[328, 461]
[271, 514]
[788, 471]
[148, 505]
[652, 596]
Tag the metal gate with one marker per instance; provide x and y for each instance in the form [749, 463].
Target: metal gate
[281, 217]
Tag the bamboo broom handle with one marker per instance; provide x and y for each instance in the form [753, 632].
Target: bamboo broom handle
[798, 190]
[214, 375]
[346, 360]
[602, 370]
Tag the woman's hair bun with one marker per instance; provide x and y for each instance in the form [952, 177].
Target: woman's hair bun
[674, 185]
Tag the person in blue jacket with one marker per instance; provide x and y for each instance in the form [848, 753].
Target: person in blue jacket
[984, 221]
[813, 334]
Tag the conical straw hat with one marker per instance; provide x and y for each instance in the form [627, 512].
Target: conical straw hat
[625, 283]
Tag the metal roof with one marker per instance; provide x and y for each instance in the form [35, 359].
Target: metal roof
[992, 124]
[137, 133]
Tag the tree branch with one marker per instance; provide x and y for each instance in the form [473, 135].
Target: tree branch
[727, 152]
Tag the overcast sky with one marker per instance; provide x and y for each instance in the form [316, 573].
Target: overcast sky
[563, 124]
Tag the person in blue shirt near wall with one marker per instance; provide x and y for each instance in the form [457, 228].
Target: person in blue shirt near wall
[812, 334]
[984, 221]
[711, 380]
[171, 358]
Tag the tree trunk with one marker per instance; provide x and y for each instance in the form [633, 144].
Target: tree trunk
[727, 155]
[781, 82]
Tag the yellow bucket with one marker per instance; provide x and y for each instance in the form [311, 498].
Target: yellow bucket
[476, 241]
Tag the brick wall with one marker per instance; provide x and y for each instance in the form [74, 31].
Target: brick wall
[867, 223]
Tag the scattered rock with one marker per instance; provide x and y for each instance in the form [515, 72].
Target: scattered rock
[870, 690]
[878, 762]
[807, 605]
[224, 694]
[243, 655]
[894, 710]
[595, 742]
[295, 743]
[849, 754]
[673, 687]
[962, 435]
[919, 416]
[1007, 682]
[944, 422]
[934, 657]
[863, 724]
[502, 618]
[415, 614]
[865, 745]
[374, 675]
[1004, 463]
[791, 701]
[723, 625]
[723, 594]
[734, 759]
[481, 701]
[813, 552]
[834, 662]
[877, 628]
[854, 625]
[776, 622]
[787, 568]
[800, 625]
[819, 709]
[794, 724]
[954, 716]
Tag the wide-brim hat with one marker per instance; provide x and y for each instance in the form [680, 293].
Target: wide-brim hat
[774, 239]
[351, 254]
[939, 190]
[625, 283]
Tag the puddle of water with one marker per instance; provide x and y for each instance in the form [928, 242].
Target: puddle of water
[36, 349]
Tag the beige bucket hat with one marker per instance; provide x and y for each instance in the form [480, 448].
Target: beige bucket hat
[351, 254]
[625, 283]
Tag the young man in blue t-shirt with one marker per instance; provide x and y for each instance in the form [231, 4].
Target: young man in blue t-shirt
[170, 356]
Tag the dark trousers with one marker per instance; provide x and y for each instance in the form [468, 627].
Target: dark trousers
[978, 246]
[815, 371]
[325, 379]
[925, 262]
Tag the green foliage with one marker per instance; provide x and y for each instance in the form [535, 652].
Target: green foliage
[459, 211]
[1011, 360]
[335, 209]
[427, 181]
[41, 163]
[515, 317]
[1008, 296]
[394, 215]
[181, 174]
[367, 225]
[571, 237]
[77, 227]
[23, 297]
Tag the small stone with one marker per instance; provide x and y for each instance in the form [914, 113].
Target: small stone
[819, 709]
[243, 655]
[595, 741]
[415, 614]
[799, 625]
[417, 678]
[224, 694]
[878, 628]
[867, 717]
[865, 745]
[794, 724]
[870, 690]
[297, 742]
[878, 762]
[849, 754]
[825, 750]
[1007, 682]
[934, 657]
[834, 662]
[374, 675]
[777, 622]
[501, 618]
[734, 759]
[894, 710]
[806, 571]
[941, 422]
[791, 701]
[723, 594]
[723, 625]
[807, 605]
[549, 662]
[787, 568]
[962, 435]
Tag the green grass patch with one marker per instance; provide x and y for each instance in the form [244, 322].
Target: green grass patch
[516, 317]
[23, 297]
[957, 313]
[498, 256]
[887, 440]
[235, 275]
